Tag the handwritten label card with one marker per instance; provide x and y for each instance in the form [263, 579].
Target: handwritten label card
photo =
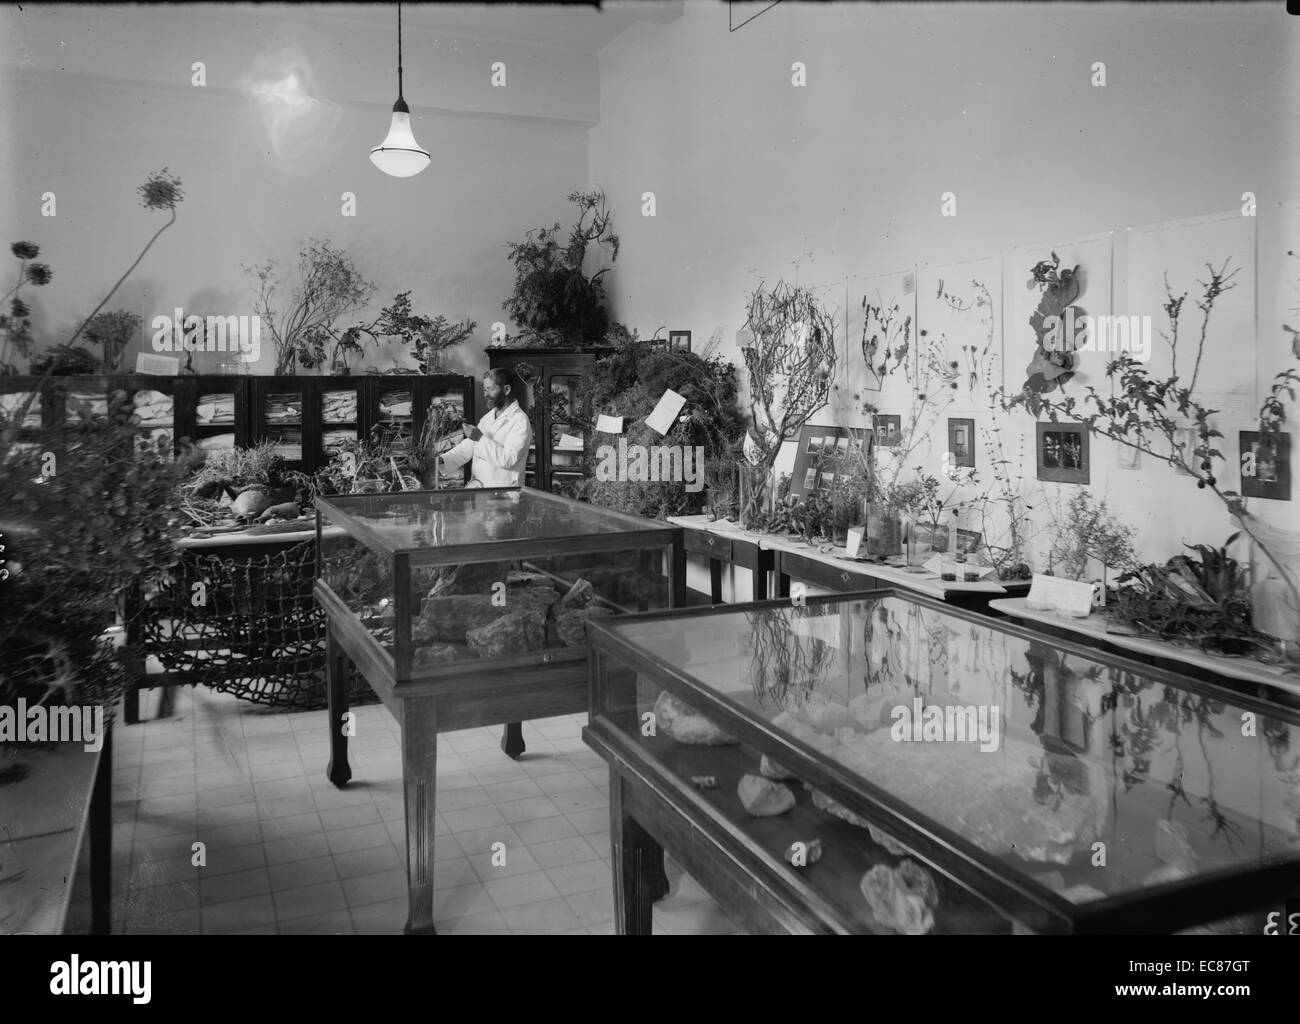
[665, 414]
[854, 545]
[1068, 597]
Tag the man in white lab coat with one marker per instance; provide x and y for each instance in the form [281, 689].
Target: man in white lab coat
[499, 444]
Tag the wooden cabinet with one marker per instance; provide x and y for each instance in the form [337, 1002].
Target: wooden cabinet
[305, 417]
[553, 376]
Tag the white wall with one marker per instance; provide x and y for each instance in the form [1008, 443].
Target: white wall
[905, 102]
[92, 99]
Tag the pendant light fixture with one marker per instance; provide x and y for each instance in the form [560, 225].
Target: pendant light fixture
[399, 154]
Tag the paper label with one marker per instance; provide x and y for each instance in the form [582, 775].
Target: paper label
[1069, 597]
[854, 545]
[569, 443]
[157, 366]
[609, 424]
[665, 415]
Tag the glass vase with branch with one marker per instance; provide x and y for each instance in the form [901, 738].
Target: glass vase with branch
[329, 288]
[1005, 522]
[790, 362]
[1151, 415]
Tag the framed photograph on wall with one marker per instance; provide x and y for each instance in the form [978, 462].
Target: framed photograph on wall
[820, 448]
[679, 339]
[961, 441]
[1265, 465]
[889, 429]
[1063, 455]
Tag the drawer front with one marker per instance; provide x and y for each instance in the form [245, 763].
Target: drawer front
[701, 542]
[820, 574]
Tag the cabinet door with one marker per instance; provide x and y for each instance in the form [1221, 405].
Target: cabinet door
[336, 405]
[279, 416]
[160, 404]
[391, 407]
[566, 439]
[216, 413]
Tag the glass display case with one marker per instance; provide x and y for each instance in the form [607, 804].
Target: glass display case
[890, 763]
[444, 583]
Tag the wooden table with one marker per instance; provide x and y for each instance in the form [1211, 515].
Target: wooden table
[1269, 682]
[48, 820]
[726, 543]
[834, 570]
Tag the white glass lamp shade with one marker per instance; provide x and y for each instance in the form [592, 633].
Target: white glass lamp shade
[399, 154]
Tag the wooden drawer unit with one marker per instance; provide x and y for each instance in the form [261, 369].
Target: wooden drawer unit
[701, 542]
[819, 574]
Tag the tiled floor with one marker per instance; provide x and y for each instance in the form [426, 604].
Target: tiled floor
[286, 852]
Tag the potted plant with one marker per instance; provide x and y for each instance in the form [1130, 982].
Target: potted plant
[555, 303]
[88, 508]
[790, 361]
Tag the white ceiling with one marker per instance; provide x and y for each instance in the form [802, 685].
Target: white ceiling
[568, 26]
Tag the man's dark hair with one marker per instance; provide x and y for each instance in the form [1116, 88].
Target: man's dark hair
[518, 390]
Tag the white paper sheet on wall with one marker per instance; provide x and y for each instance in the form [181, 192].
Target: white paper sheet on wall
[1093, 256]
[959, 329]
[879, 349]
[1184, 252]
[609, 424]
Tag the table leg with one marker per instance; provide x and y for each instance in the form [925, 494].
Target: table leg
[634, 852]
[101, 841]
[715, 580]
[512, 739]
[420, 780]
[336, 688]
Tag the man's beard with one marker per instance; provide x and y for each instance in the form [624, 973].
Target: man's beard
[500, 401]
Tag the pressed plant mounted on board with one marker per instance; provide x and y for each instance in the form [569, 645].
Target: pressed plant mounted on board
[1152, 415]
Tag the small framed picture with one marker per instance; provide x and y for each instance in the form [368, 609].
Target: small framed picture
[889, 430]
[968, 541]
[679, 339]
[961, 442]
[826, 452]
[1063, 455]
[1265, 465]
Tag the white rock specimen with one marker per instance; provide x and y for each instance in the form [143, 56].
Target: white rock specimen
[1082, 894]
[824, 803]
[764, 798]
[769, 769]
[686, 725]
[888, 842]
[901, 898]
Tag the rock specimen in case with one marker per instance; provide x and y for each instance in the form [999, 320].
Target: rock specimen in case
[901, 898]
[451, 618]
[764, 798]
[769, 769]
[686, 725]
[515, 633]
[571, 625]
[439, 654]
[887, 841]
[471, 578]
[704, 781]
[824, 803]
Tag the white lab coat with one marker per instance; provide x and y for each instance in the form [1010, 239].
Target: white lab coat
[501, 454]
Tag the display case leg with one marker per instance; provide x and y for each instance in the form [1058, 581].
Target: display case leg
[420, 780]
[101, 841]
[336, 688]
[512, 739]
[638, 866]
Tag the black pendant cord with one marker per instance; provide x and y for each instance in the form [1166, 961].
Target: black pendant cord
[399, 52]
